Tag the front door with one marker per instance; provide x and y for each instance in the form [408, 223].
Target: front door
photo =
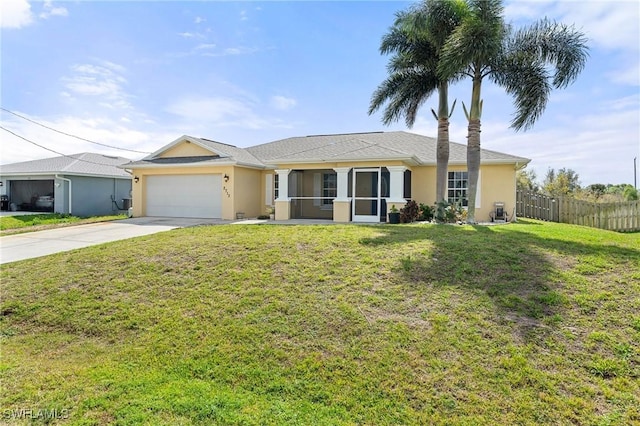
[366, 195]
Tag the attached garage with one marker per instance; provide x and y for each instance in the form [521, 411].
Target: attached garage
[32, 195]
[197, 195]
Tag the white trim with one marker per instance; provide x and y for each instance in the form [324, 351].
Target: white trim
[26, 174]
[413, 160]
[283, 184]
[70, 191]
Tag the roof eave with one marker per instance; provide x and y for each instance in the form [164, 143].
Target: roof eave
[170, 165]
[21, 174]
[413, 160]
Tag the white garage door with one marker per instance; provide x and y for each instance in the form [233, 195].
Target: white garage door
[184, 196]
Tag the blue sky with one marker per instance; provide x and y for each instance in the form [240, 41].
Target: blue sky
[138, 75]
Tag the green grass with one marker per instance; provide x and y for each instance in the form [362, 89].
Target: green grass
[32, 222]
[529, 323]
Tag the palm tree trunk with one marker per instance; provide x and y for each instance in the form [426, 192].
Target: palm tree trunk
[473, 148]
[473, 167]
[442, 150]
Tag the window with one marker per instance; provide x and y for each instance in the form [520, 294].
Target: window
[457, 188]
[329, 188]
[276, 183]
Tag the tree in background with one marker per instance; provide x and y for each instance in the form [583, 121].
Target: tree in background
[527, 63]
[526, 180]
[561, 183]
[416, 40]
[595, 190]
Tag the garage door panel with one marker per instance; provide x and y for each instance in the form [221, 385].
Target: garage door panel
[184, 196]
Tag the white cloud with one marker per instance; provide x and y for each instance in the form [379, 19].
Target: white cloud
[199, 20]
[283, 103]
[49, 10]
[232, 51]
[103, 82]
[604, 142]
[610, 26]
[629, 75]
[205, 46]
[187, 34]
[200, 112]
[243, 15]
[15, 14]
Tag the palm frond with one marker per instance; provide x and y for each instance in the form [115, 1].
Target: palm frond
[404, 92]
[558, 45]
[529, 84]
[476, 40]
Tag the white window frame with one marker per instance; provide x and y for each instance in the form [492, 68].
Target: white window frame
[329, 189]
[465, 188]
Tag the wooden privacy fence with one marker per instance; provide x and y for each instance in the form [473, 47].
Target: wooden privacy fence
[536, 206]
[624, 216]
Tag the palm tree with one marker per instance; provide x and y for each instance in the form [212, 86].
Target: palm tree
[416, 39]
[527, 63]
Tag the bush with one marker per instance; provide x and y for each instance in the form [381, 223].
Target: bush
[446, 212]
[426, 212]
[409, 213]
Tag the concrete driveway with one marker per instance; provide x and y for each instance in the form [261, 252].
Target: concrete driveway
[35, 244]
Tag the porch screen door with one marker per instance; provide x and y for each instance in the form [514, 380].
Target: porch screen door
[366, 195]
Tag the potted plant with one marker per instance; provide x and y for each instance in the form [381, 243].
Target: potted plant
[394, 214]
[271, 211]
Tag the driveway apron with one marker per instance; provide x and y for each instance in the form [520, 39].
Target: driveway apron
[35, 244]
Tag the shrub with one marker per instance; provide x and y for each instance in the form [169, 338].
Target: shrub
[426, 212]
[446, 212]
[409, 213]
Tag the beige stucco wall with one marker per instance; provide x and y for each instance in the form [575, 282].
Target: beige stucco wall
[185, 149]
[248, 191]
[245, 191]
[423, 184]
[497, 184]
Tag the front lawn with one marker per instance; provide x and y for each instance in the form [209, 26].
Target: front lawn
[529, 323]
[38, 222]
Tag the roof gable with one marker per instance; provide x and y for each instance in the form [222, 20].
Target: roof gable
[188, 150]
[184, 146]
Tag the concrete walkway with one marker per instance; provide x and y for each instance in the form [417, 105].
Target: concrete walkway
[41, 243]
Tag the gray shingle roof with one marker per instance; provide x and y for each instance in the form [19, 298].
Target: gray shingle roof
[221, 153]
[85, 163]
[365, 146]
[410, 147]
[241, 155]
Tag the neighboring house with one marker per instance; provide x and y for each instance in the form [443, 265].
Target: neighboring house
[345, 177]
[84, 184]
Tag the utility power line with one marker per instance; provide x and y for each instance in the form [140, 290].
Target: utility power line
[52, 150]
[70, 135]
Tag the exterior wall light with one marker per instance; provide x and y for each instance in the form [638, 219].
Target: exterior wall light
[226, 177]
[136, 179]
